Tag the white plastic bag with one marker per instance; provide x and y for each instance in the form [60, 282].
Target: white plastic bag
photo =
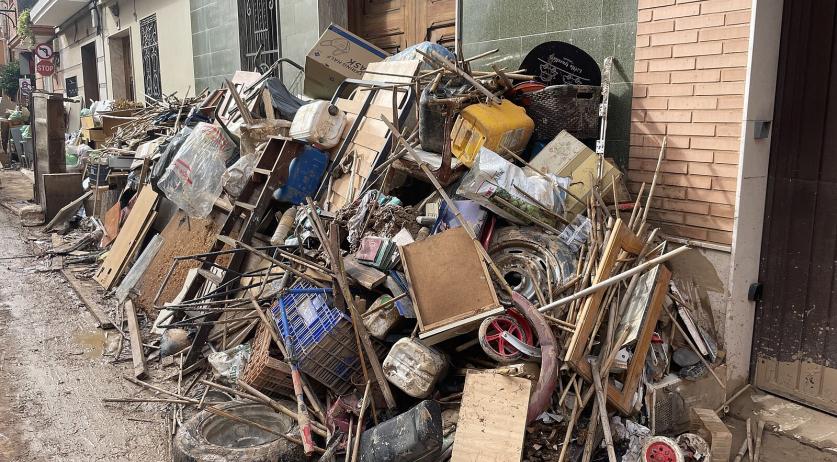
[508, 191]
[236, 176]
[230, 364]
[193, 179]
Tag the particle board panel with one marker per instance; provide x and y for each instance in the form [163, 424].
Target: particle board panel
[181, 236]
[492, 418]
[130, 237]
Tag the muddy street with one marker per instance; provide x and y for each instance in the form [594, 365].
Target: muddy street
[53, 374]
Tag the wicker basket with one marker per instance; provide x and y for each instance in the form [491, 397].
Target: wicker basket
[574, 108]
[265, 373]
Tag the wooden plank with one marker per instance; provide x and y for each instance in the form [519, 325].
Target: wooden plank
[87, 296]
[131, 235]
[706, 423]
[137, 353]
[366, 276]
[111, 223]
[492, 418]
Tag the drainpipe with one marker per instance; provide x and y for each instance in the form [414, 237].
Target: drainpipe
[458, 31]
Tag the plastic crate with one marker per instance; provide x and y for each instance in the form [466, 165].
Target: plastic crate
[574, 108]
[264, 372]
[322, 337]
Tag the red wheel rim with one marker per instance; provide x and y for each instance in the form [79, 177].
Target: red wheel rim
[529, 337]
[660, 451]
[494, 337]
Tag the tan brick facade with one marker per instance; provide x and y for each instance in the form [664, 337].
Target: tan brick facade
[691, 60]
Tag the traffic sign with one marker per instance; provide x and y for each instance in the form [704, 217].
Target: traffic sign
[44, 51]
[45, 68]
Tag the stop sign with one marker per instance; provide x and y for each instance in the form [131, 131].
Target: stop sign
[45, 67]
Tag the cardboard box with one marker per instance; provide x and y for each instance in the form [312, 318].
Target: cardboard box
[567, 156]
[88, 122]
[113, 119]
[338, 55]
[94, 134]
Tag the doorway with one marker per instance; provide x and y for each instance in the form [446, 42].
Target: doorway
[795, 342]
[394, 25]
[121, 66]
[90, 73]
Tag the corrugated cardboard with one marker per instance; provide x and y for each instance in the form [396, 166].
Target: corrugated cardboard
[567, 156]
[337, 55]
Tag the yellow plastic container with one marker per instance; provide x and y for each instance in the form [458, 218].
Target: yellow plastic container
[491, 126]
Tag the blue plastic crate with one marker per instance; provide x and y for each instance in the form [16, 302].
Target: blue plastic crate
[322, 338]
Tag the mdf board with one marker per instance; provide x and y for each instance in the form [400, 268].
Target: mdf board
[492, 418]
[48, 131]
[130, 237]
[794, 347]
[394, 25]
[449, 281]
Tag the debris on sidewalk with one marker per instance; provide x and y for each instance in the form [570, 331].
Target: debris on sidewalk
[427, 263]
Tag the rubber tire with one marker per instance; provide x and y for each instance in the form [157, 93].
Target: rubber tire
[191, 445]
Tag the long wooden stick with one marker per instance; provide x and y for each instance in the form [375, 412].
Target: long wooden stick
[741, 451]
[137, 352]
[255, 395]
[363, 405]
[357, 321]
[654, 180]
[749, 439]
[759, 432]
[695, 348]
[602, 400]
[313, 399]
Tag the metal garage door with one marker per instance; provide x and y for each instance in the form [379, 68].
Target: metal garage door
[795, 346]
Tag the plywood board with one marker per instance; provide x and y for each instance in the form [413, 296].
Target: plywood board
[130, 237]
[448, 280]
[492, 418]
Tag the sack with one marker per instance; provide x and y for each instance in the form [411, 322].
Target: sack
[193, 179]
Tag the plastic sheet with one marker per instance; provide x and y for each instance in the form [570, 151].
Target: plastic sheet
[193, 179]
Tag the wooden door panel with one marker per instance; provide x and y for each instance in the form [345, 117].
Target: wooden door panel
[382, 22]
[396, 24]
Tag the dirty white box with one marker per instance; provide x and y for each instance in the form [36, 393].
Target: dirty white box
[337, 55]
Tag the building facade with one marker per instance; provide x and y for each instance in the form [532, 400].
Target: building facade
[118, 49]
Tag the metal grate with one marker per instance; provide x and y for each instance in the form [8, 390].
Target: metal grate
[150, 56]
[258, 26]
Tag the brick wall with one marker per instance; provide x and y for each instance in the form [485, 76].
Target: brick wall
[691, 59]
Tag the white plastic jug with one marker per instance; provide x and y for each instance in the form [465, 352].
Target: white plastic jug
[414, 367]
[318, 122]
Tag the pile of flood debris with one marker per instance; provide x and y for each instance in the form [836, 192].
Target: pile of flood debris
[427, 263]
